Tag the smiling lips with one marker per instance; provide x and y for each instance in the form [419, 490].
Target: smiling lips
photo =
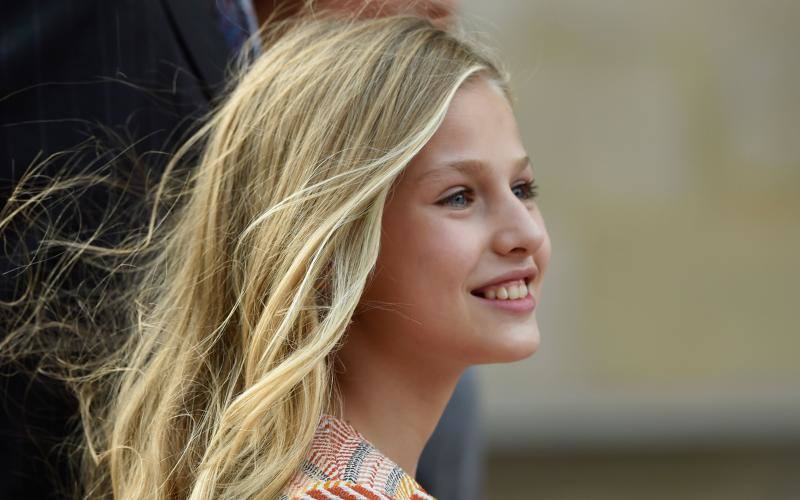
[511, 290]
[514, 296]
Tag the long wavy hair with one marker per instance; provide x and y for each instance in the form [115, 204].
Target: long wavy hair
[204, 371]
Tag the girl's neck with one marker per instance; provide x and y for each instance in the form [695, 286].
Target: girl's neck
[395, 402]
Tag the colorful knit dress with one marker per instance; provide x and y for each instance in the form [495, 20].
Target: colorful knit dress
[342, 464]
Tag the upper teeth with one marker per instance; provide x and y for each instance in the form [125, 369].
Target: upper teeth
[509, 291]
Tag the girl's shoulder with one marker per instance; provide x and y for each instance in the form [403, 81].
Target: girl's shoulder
[343, 464]
[346, 490]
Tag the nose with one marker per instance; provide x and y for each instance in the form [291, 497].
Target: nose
[519, 229]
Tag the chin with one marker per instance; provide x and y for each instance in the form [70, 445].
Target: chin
[523, 342]
[515, 348]
[524, 351]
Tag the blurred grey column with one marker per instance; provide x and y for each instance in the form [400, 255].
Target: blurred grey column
[452, 464]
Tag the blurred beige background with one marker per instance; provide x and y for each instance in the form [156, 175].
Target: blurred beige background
[666, 140]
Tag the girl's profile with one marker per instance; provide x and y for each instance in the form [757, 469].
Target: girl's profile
[357, 228]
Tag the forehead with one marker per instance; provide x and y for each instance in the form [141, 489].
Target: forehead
[479, 127]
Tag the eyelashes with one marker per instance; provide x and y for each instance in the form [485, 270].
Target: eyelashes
[531, 190]
[465, 197]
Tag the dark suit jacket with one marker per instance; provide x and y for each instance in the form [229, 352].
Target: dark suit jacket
[139, 67]
[143, 70]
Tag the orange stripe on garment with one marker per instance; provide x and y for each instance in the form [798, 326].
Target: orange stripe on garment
[316, 494]
[341, 493]
[337, 490]
[364, 491]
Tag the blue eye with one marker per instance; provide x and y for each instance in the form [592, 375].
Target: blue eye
[529, 190]
[463, 198]
[459, 199]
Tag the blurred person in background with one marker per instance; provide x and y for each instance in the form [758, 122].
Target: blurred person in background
[134, 79]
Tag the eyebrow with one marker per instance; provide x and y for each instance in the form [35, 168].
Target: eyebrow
[468, 167]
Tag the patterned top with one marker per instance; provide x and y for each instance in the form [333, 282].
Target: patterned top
[342, 464]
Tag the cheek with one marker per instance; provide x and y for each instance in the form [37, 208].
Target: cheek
[424, 257]
[444, 254]
[543, 253]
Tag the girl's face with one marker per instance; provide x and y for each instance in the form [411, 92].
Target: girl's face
[461, 217]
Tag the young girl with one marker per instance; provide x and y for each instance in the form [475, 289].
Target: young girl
[359, 228]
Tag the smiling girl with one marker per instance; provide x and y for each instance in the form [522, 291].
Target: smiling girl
[359, 229]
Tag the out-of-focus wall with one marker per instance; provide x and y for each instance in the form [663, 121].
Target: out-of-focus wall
[665, 136]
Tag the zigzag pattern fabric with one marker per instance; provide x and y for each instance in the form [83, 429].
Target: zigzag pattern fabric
[342, 464]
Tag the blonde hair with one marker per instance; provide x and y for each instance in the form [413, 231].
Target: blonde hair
[245, 288]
